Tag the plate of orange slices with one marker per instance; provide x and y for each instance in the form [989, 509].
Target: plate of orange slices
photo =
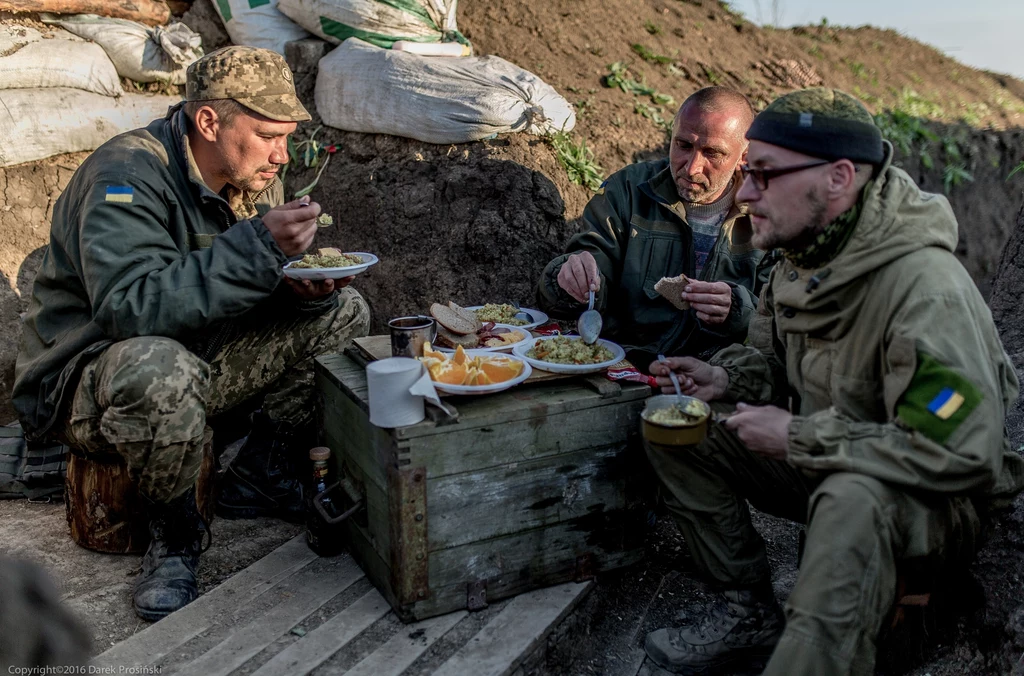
[473, 371]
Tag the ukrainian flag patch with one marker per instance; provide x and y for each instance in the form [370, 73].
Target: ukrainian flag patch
[120, 193]
[938, 399]
[946, 403]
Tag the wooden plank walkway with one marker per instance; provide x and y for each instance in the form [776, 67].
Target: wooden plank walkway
[293, 613]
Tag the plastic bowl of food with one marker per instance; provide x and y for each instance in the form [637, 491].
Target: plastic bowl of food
[664, 423]
[569, 355]
[332, 272]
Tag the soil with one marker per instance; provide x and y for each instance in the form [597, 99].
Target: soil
[476, 223]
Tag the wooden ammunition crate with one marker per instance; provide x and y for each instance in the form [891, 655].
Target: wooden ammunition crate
[534, 486]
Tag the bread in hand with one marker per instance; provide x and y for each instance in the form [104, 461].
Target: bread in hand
[672, 290]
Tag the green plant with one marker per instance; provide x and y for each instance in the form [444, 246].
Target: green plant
[647, 55]
[578, 161]
[1016, 170]
[584, 108]
[652, 113]
[815, 50]
[313, 154]
[711, 75]
[954, 175]
[620, 77]
[677, 71]
[858, 69]
[652, 27]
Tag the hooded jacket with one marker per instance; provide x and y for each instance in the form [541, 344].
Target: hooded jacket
[889, 355]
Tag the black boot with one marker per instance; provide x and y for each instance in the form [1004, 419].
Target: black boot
[168, 578]
[264, 478]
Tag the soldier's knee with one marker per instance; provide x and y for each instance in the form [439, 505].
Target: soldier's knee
[153, 369]
[355, 313]
[849, 500]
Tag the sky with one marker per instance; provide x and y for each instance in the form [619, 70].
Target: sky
[985, 34]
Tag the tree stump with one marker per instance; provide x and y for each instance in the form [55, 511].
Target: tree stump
[104, 509]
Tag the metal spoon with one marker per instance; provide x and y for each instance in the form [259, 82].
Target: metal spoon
[675, 382]
[590, 323]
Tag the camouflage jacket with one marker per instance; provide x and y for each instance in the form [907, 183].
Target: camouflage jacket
[140, 246]
[889, 354]
[637, 232]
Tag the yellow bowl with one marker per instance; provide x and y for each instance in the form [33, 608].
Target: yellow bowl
[689, 434]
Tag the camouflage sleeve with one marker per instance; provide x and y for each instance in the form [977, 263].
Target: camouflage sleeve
[140, 283]
[605, 219]
[946, 394]
[757, 369]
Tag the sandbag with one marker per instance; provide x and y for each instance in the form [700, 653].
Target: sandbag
[38, 123]
[436, 99]
[379, 22]
[31, 61]
[139, 53]
[258, 23]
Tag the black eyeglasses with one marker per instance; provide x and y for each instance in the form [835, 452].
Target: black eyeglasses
[762, 176]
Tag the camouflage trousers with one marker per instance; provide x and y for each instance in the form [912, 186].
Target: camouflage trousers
[147, 399]
[860, 532]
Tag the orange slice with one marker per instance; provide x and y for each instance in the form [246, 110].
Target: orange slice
[460, 356]
[429, 351]
[450, 373]
[500, 370]
[477, 377]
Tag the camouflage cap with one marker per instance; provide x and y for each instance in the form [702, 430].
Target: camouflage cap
[820, 122]
[259, 79]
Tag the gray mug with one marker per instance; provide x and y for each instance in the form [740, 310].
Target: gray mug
[409, 333]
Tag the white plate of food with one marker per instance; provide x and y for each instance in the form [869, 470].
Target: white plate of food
[329, 263]
[569, 354]
[490, 358]
[504, 313]
[491, 335]
[459, 327]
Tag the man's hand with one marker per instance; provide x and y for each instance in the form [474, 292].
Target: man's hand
[579, 275]
[312, 289]
[711, 300]
[293, 225]
[696, 378]
[762, 429]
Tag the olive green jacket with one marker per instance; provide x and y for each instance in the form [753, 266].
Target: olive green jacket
[637, 232]
[889, 354]
[140, 246]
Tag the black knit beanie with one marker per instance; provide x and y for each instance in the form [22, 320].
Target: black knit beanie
[820, 122]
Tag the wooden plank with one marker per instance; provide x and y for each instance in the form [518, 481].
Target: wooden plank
[306, 593]
[476, 448]
[315, 648]
[541, 556]
[499, 648]
[405, 647]
[151, 644]
[529, 495]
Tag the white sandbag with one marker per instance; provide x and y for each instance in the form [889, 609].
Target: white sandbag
[38, 123]
[62, 60]
[364, 88]
[139, 52]
[379, 22]
[258, 23]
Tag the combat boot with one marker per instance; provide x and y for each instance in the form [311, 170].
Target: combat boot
[740, 626]
[168, 578]
[263, 479]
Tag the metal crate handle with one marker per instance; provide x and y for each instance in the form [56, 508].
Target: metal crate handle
[351, 492]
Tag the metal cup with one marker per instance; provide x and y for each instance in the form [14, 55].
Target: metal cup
[409, 333]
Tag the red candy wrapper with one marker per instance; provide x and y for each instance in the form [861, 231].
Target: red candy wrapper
[549, 329]
[625, 370]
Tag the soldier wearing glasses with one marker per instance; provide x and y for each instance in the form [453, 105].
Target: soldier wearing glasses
[868, 403]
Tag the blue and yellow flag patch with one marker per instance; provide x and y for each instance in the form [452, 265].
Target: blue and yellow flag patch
[946, 403]
[938, 400]
[120, 193]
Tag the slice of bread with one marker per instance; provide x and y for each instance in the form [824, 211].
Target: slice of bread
[454, 322]
[446, 338]
[671, 288]
[468, 315]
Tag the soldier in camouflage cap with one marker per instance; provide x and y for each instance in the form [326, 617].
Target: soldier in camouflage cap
[160, 309]
[259, 79]
[869, 403]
